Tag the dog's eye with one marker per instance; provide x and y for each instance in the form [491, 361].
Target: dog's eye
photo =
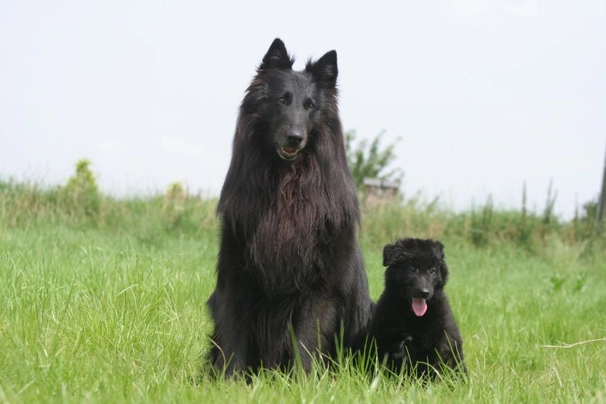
[309, 106]
[281, 101]
[432, 270]
[412, 269]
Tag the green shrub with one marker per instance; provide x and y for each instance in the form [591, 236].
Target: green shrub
[81, 193]
[369, 160]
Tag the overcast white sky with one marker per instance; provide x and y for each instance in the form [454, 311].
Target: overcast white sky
[486, 95]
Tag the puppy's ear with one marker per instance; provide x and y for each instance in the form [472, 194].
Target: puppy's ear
[443, 274]
[389, 254]
[438, 249]
[276, 57]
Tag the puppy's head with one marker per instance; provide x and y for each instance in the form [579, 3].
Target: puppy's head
[416, 270]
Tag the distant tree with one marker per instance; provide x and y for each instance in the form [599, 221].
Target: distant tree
[368, 160]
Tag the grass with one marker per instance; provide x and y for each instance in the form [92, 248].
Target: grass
[109, 307]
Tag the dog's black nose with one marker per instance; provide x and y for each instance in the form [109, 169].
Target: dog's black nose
[424, 293]
[294, 138]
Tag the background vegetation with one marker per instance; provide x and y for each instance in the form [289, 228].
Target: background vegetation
[368, 159]
[102, 299]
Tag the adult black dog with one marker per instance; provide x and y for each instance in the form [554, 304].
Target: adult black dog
[413, 326]
[289, 267]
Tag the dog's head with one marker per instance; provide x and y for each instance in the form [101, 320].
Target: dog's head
[416, 271]
[289, 103]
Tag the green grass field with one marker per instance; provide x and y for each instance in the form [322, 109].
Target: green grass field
[109, 307]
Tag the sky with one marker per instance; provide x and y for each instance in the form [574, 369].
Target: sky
[485, 96]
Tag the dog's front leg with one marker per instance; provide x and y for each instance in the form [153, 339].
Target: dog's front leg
[316, 330]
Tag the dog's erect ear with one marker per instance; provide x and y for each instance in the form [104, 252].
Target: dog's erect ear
[277, 57]
[389, 254]
[325, 69]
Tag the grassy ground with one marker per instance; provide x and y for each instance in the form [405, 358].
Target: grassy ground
[111, 309]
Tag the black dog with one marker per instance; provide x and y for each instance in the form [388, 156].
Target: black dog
[413, 325]
[289, 266]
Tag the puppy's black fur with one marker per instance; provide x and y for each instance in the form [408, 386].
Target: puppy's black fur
[413, 326]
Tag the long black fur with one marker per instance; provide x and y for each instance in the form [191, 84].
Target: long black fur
[417, 345]
[289, 263]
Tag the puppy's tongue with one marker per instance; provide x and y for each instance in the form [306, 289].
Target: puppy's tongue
[419, 306]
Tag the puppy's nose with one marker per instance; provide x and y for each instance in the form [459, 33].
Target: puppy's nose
[424, 293]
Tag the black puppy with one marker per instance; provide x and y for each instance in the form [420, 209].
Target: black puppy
[413, 326]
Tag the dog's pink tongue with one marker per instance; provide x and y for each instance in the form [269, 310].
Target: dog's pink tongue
[419, 306]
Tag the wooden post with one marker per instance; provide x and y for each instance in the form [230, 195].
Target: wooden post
[602, 199]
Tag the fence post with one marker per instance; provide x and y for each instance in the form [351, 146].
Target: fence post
[602, 199]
